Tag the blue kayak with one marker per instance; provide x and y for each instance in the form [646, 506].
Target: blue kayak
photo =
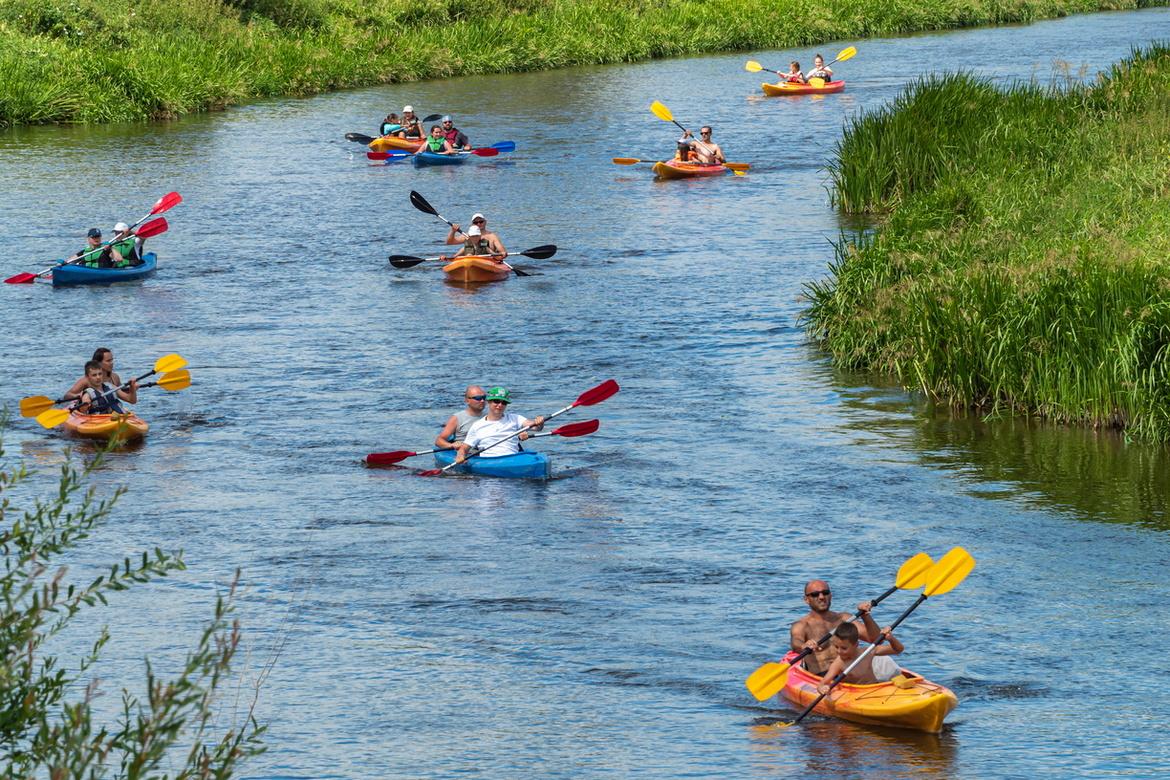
[80, 274]
[433, 158]
[522, 465]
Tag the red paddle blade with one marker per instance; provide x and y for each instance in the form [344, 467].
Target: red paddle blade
[167, 202]
[577, 429]
[430, 473]
[386, 458]
[152, 228]
[486, 151]
[597, 394]
[378, 155]
[23, 278]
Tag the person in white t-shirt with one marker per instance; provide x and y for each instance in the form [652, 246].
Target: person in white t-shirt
[499, 425]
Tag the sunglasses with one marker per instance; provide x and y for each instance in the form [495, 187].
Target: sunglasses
[476, 397]
[479, 221]
[814, 593]
[705, 132]
[497, 401]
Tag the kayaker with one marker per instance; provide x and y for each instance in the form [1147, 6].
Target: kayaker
[436, 143]
[104, 357]
[478, 240]
[821, 620]
[458, 424]
[91, 256]
[705, 150]
[125, 249]
[499, 425]
[877, 666]
[411, 125]
[683, 150]
[454, 134]
[819, 70]
[391, 124]
[794, 76]
[99, 397]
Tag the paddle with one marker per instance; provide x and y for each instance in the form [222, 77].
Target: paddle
[420, 203]
[172, 380]
[769, 679]
[542, 252]
[751, 66]
[152, 228]
[635, 161]
[590, 397]
[950, 570]
[663, 113]
[570, 430]
[389, 458]
[483, 151]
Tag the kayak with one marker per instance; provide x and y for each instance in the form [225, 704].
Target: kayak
[915, 704]
[522, 465]
[80, 274]
[673, 169]
[476, 268]
[388, 142]
[434, 158]
[123, 427]
[789, 88]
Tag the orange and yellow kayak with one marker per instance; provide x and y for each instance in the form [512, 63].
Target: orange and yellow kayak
[388, 142]
[123, 427]
[790, 88]
[476, 268]
[673, 169]
[915, 703]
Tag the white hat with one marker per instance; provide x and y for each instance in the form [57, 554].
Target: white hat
[476, 216]
[408, 108]
[474, 231]
[121, 227]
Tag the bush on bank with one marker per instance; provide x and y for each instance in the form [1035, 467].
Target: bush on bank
[1021, 259]
[117, 60]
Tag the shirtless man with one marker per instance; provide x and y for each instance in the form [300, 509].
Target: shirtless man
[705, 150]
[821, 620]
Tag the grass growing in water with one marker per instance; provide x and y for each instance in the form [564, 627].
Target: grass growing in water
[113, 60]
[1021, 263]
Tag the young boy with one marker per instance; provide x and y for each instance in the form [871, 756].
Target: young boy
[92, 400]
[873, 669]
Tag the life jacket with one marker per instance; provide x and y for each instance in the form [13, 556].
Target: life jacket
[128, 249]
[97, 258]
[794, 78]
[452, 135]
[101, 403]
[413, 129]
[480, 247]
[388, 128]
[435, 144]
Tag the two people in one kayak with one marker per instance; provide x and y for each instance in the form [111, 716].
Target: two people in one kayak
[122, 251]
[703, 151]
[499, 432]
[458, 424]
[477, 240]
[99, 391]
[819, 70]
[445, 138]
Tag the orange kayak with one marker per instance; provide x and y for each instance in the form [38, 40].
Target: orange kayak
[915, 703]
[123, 427]
[388, 142]
[475, 268]
[673, 169]
[789, 88]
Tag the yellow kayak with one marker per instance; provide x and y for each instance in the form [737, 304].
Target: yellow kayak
[123, 427]
[388, 142]
[471, 269]
[911, 703]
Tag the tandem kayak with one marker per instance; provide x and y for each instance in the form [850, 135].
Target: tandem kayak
[471, 269]
[123, 427]
[673, 169]
[80, 274]
[790, 88]
[522, 465]
[388, 142]
[435, 158]
[915, 703]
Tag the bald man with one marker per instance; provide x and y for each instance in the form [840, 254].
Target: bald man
[455, 431]
[821, 620]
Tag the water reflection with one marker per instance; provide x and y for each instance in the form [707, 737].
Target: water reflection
[828, 747]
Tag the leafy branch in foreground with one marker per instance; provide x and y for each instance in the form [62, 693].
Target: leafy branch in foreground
[44, 735]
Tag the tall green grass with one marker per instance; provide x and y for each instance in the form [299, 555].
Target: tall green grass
[112, 60]
[1022, 260]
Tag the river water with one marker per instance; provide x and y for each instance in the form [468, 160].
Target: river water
[602, 623]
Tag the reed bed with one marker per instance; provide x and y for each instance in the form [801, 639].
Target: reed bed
[1020, 260]
[117, 60]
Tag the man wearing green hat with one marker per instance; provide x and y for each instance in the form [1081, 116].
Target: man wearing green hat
[499, 426]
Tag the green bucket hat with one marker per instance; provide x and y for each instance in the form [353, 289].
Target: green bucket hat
[499, 394]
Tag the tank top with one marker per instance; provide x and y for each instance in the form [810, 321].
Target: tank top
[463, 422]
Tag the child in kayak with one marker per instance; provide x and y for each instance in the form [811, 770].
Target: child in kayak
[391, 124]
[104, 357]
[819, 70]
[436, 142]
[478, 240]
[794, 76]
[876, 667]
[98, 397]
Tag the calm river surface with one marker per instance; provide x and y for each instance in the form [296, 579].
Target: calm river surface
[602, 623]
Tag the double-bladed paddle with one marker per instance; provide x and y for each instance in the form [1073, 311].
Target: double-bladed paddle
[594, 395]
[663, 113]
[635, 161]
[751, 66]
[950, 570]
[542, 252]
[420, 203]
[167, 365]
[572, 429]
[483, 151]
[769, 679]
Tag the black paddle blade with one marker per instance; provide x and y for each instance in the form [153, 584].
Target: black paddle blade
[406, 261]
[359, 137]
[420, 203]
[431, 118]
[541, 252]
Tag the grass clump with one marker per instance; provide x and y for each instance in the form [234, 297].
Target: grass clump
[1020, 261]
[117, 60]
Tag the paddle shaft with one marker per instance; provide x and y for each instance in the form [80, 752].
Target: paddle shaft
[850, 619]
[431, 210]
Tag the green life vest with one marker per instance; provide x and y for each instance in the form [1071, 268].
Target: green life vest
[435, 144]
[125, 248]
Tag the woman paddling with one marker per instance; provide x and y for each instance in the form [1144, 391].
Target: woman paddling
[105, 358]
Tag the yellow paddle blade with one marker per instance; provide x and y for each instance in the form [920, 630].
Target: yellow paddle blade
[171, 362]
[737, 166]
[737, 172]
[950, 570]
[751, 66]
[35, 404]
[767, 681]
[175, 380]
[846, 54]
[914, 572]
[661, 111]
[816, 81]
[53, 417]
[626, 160]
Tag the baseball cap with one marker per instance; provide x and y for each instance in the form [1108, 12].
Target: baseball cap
[121, 227]
[476, 216]
[499, 394]
[408, 108]
[445, 119]
[94, 233]
[474, 231]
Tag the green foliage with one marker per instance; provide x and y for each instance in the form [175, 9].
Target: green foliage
[1021, 263]
[113, 60]
[42, 734]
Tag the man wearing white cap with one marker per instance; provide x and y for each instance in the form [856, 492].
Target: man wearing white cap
[125, 249]
[411, 125]
[478, 240]
[455, 135]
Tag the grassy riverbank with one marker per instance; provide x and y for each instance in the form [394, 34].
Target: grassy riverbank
[114, 60]
[1021, 262]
